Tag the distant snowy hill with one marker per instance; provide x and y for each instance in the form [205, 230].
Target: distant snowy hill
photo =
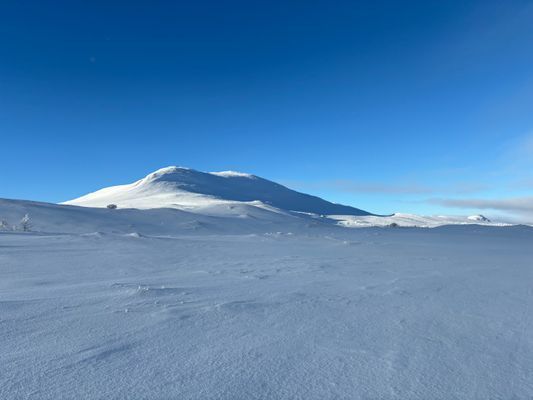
[412, 220]
[205, 192]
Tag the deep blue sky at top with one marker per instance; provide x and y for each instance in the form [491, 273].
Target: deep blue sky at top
[385, 105]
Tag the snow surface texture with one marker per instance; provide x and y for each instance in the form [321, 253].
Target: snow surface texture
[168, 304]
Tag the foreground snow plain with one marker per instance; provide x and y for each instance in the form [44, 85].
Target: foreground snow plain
[160, 304]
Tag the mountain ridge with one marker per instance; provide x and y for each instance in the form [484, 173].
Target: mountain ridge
[190, 189]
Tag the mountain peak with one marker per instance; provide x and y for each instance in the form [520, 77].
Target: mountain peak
[167, 171]
[170, 169]
[175, 173]
[185, 188]
[233, 174]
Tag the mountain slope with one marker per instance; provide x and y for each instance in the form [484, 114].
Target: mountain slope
[188, 189]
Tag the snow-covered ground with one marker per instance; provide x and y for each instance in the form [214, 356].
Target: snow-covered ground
[160, 304]
[229, 286]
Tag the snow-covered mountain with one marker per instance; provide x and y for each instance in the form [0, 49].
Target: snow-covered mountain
[176, 199]
[210, 193]
[236, 194]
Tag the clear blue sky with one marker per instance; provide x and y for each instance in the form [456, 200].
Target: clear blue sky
[389, 106]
